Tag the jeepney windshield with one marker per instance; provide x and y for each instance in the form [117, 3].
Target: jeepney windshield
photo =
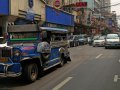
[29, 36]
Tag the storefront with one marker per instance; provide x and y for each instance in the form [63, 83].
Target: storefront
[59, 19]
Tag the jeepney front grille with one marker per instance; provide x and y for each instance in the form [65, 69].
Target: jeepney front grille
[6, 52]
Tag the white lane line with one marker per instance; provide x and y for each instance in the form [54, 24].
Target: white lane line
[62, 83]
[99, 56]
[79, 48]
[119, 61]
[116, 78]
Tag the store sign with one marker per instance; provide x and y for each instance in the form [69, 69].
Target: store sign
[79, 4]
[57, 3]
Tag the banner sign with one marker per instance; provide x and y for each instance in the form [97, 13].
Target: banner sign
[79, 4]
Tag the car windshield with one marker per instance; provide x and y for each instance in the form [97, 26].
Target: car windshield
[112, 36]
[101, 38]
[81, 37]
[96, 37]
[70, 37]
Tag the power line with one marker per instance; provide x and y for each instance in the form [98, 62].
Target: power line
[111, 5]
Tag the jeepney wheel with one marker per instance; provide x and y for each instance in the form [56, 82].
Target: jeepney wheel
[31, 72]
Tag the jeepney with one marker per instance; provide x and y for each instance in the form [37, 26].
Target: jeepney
[31, 50]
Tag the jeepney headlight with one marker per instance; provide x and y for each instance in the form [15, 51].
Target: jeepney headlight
[16, 53]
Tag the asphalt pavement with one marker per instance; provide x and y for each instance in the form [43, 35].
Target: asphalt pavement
[92, 68]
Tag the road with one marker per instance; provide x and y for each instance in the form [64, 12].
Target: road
[92, 68]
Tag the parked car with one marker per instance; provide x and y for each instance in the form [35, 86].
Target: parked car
[112, 40]
[73, 41]
[100, 41]
[82, 40]
[90, 40]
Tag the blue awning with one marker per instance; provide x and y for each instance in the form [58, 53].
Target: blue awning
[54, 29]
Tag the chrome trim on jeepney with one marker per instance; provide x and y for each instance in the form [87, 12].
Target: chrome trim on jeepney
[10, 74]
[6, 73]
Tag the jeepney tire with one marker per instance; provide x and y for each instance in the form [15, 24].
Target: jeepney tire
[31, 72]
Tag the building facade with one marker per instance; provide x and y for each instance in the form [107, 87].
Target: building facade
[20, 12]
[26, 11]
[59, 19]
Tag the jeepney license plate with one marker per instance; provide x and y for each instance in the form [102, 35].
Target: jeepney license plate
[3, 60]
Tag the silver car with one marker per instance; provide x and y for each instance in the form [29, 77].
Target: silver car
[73, 41]
[100, 41]
[112, 40]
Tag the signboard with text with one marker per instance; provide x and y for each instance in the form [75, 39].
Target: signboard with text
[79, 4]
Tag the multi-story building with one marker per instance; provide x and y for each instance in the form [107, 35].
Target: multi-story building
[14, 12]
[20, 12]
[109, 17]
[97, 6]
[57, 17]
[82, 14]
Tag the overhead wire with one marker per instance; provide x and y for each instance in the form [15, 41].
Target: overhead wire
[111, 5]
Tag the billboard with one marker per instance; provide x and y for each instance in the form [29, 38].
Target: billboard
[59, 17]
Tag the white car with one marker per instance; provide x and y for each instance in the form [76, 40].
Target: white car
[112, 40]
[100, 41]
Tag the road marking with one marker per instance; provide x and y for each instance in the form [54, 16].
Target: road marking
[116, 78]
[62, 83]
[119, 61]
[99, 56]
[79, 48]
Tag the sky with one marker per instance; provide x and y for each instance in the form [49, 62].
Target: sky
[116, 8]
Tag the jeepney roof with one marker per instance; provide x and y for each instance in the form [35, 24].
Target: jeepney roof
[23, 28]
[34, 28]
[54, 29]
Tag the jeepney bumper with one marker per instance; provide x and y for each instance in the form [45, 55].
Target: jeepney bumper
[9, 70]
